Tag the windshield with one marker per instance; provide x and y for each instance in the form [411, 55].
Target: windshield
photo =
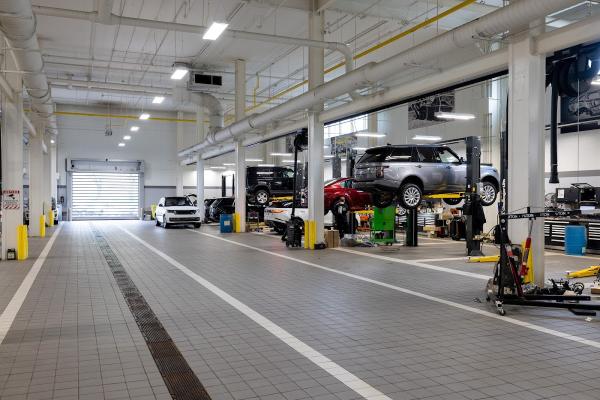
[177, 201]
[377, 154]
[447, 155]
[329, 182]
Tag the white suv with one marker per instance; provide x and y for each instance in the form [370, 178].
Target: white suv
[177, 211]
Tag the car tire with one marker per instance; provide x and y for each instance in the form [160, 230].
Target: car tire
[165, 224]
[157, 222]
[410, 196]
[383, 200]
[261, 197]
[452, 201]
[488, 193]
[197, 225]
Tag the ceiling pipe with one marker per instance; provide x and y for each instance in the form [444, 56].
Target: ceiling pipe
[576, 33]
[93, 16]
[18, 25]
[514, 18]
[216, 115]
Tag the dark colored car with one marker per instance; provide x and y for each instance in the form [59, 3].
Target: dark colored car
[221, 205]
[263, 183]
[207, 203]
[343, 188]
[407, 172]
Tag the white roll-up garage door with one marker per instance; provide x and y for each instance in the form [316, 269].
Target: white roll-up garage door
[102, 195]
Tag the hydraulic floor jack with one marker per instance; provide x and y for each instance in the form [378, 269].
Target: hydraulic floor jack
[506, 287]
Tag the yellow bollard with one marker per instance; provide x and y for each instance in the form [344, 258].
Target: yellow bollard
[153, 211]
[313, 233]
[42, 225]
[50, 218]
[236, 223]
[22, 243]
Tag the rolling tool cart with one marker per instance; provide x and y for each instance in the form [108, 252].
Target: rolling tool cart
[506, 287]
[383, 224]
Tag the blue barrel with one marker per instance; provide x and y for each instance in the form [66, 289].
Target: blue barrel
[575, 240]
[226, 223]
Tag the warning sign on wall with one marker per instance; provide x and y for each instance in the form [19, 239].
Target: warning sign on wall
[11, 199]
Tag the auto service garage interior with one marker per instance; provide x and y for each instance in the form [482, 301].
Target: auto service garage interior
[300, 199]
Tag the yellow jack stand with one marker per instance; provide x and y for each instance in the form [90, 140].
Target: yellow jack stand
[484, 259]
[585, 273]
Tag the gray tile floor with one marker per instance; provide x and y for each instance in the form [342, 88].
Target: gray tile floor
[74, 337]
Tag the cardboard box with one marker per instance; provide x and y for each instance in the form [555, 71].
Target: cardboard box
[595, 290]
[332, 238]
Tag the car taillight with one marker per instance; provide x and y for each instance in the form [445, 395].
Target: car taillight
[379, 171]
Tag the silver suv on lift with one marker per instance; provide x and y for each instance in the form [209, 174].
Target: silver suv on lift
[407, 172]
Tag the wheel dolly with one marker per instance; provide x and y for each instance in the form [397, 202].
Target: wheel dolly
[506, 285]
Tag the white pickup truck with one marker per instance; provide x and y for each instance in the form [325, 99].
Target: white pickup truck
[277, 217]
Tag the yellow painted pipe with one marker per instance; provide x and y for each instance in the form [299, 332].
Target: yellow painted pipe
[117, 116]
[22, 243]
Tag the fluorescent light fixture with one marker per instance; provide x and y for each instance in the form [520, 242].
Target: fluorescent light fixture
[281, 154]
[453, 115]
[215, 30]
[52, 141]
[217, 167]
[370, 134]
[179, 71]
[326, 146]
[291, 161]
[328, 156]
[254, 160]
[228, 164]
[266, 165]
[359, 148]
[134, 128]
[127, 137]
[158, 99]
[121, 144]
[427, 138]
[144, 116]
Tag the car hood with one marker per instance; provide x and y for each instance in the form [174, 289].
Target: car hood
[181, 208]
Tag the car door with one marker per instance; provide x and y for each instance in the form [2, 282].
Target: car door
[431, 171]
[456, 171]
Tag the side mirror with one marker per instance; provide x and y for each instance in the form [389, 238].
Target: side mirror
[461, 160]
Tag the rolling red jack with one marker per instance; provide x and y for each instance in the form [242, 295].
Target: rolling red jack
[506, 287]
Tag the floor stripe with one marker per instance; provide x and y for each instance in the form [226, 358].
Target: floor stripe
[470, 309]
[12, 309]
[415, 264]
[441, 259]
[180, 379]
[343, 375]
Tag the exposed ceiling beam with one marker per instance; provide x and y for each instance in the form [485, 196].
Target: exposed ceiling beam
[322, 5]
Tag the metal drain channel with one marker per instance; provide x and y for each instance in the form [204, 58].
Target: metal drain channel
[181, 381]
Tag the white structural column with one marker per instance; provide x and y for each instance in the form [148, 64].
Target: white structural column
[179, 177]
[240, 151]
[526, 85]
[315, 133]
[12, 156]
[47, 177]
[53, 172]
[200, 184]
[37, 194]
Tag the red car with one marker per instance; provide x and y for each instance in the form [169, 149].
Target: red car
[342, 187]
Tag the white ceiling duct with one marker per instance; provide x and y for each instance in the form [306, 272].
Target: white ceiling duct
[512, 18]
[211, 104]
[18, 25]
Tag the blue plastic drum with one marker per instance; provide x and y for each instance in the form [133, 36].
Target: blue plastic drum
[575, 240]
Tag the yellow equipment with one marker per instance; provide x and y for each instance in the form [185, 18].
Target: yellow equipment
[484, 259]
[585, 273]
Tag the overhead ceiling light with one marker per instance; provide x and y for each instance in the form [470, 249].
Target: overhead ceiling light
[254, 160]
[370, 134]
[134, 128]
[180, 70]
[158, 99]
[290, 161]
[215, 30]
[343, 159]
[266, 165]
[144, 116]
[121, 144]
[127, 137]
[229, 164]
[52, 141]
[281, 154]
[427, 138]
[217, 167]
[453, 115]
[328, 156]
[359, 148]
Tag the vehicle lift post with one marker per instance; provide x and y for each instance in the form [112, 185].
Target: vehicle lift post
[412, 229]
[472, 198]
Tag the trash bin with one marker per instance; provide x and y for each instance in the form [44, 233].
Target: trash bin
[226, 223]
[575, 240]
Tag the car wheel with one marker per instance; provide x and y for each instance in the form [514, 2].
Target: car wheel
[410, 196]
[452, 201]
[261, 196]
[165, 224]
[157, 222]
[488, 193]
[197, 226]
[383, 200]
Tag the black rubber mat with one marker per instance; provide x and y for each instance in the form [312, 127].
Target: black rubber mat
[181, 381]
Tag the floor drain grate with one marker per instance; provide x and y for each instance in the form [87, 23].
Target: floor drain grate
[179, 378]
